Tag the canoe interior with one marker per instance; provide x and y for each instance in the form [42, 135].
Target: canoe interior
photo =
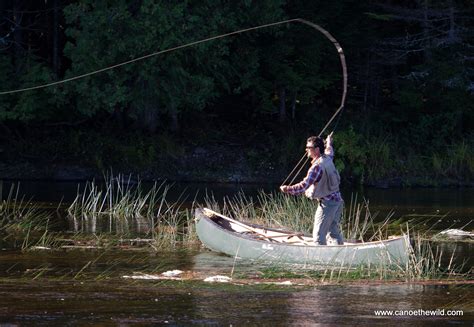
[265, 234]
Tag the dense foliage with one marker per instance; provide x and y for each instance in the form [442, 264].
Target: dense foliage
[410, 108]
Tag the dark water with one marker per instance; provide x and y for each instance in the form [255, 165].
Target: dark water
[456, 203]
[67, 294]
[121, 303]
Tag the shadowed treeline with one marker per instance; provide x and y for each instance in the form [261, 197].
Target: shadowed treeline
[407, 121]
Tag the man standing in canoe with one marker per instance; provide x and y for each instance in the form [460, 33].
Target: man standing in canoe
[321, 184]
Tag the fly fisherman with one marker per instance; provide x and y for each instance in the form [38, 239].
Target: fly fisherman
[321, 184]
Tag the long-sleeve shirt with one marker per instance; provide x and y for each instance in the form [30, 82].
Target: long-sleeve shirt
[314, 176]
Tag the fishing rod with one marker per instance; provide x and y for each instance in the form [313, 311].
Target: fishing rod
[342, 59]
[301, 164]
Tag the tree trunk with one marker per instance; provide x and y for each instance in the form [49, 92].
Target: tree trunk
[452, 27]
[282, 97]
[146, 109]
[367, 82]
[56, 58]
[293, 105]
[174, 118]
[17, 37]
[426, 31]
[151, 117]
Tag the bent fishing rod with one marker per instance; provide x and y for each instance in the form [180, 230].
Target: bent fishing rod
[301, 163]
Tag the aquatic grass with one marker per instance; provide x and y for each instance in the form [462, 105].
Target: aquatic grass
[189, 235]
[281, 211]
[358, 223]
[120, 207]
[122, 199]
[25, 220]
[423, 265]
[23, 214]
[125, 207]
[425, 223]
[273, 210]
[278, 210]
[425, 262]
[47, 240]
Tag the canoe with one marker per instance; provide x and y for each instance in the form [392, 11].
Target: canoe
[249, 241]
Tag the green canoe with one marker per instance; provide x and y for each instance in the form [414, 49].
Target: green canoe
[247, 241]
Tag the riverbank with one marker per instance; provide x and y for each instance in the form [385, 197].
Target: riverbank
[230, 154]
[214, 165]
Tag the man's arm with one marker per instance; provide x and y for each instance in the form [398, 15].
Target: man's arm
[329, 150]
[314, 174]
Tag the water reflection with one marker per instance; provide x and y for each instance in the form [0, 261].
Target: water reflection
[99, 223]
[335, 305]
[145, 303]
[456, 254]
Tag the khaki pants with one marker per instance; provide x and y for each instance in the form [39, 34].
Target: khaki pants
[326, 220]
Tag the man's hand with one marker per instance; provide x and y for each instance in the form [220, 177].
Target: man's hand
[284, 188]
[329, 140]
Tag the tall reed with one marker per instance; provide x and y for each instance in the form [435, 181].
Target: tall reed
[358, 224]
[25, 220]
[121, 207]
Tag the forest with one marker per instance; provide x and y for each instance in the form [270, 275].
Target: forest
[238, 108]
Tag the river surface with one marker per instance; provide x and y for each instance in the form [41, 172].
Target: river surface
[76, 287]
[88, 287]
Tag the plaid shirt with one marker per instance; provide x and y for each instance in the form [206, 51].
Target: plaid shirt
[314, 176]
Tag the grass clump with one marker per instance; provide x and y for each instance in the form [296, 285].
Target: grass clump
[122, 208]
[25, 224]
[426, 261]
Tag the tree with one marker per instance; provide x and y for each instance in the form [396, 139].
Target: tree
[425, 55]
[29, 58]
[105, 33]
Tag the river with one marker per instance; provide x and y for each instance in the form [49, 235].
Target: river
[54, 289]
[88, 287]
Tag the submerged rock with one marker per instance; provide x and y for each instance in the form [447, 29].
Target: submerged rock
[143, 276]
[218, 279]
[172, 273]
[454, 234]
[40, 248]
[287, 282]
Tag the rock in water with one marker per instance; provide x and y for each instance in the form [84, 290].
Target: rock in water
[172, 273]
[218, 279]
[454, 234]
